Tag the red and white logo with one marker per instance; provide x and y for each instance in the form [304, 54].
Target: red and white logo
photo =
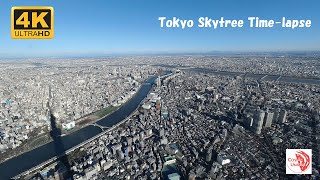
[298, 161]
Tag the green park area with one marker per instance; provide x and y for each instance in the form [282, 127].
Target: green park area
[105, 111]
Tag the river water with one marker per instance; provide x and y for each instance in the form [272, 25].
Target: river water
[259, 76]
[28, 160]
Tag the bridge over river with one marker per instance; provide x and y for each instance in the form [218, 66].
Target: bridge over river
[47, 153]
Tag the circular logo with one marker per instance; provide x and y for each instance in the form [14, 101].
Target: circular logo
[298, 161]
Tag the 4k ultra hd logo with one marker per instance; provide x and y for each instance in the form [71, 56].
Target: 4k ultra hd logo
[32, 22]
[298, 161]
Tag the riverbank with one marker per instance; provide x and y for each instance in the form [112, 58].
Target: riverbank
[33, 158]
[42, 138]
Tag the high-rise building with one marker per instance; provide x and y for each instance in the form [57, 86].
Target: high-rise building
[283, 116]
[209, 154]
[158, 82]
[248, 121]
[258, 121]
[268, 118]
[276, 112]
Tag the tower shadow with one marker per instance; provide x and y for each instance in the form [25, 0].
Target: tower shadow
[63, 169]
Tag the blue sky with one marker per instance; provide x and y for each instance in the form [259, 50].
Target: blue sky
[129, 26]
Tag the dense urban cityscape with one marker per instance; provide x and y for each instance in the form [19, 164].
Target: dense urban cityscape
[204, 117]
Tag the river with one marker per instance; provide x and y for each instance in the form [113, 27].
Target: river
[28, 160]
[265, 77]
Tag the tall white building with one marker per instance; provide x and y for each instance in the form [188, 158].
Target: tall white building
[268, 118]
[158, 82]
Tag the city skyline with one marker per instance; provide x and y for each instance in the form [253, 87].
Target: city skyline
[173, 90]
[158, 117]
[133, 28]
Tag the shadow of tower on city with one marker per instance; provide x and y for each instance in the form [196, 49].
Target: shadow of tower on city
[63, 168]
